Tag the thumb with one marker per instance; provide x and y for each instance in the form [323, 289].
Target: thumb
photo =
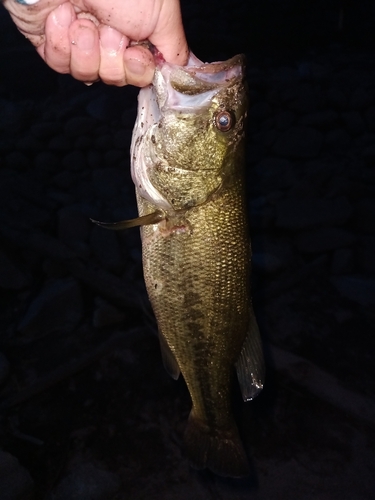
[169, 35]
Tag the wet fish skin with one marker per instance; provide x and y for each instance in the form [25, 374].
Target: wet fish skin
[189, 168]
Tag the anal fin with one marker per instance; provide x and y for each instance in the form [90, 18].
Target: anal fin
[250, 364]
[169, 361]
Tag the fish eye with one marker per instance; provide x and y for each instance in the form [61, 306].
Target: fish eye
[224, 121]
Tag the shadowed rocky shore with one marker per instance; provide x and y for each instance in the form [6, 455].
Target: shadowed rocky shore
[87, 410]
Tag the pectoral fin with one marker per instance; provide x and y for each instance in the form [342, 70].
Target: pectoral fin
[250, 364]
[145, 220]
[169, 361]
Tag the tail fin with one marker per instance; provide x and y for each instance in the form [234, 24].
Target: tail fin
[220, 451]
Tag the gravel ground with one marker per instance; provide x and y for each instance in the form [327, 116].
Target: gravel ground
[87, 411]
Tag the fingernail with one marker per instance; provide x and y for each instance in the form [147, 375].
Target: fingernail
[85, 38]
[27, 2]
[110, 39]
[63, 15]
[135, 67]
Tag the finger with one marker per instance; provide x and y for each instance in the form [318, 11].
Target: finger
[57, 47]
[84, 50]
[139, 66]
[112, 47]
[169, 36]
[30, 15]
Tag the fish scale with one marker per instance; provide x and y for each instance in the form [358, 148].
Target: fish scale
[188, 168]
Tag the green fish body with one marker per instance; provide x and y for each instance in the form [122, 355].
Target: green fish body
[188, 169]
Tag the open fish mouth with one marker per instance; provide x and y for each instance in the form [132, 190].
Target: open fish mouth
[188, 89]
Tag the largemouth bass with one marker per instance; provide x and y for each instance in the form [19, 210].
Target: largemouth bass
[188, 169]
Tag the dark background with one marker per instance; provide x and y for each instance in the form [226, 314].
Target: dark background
[87, 410]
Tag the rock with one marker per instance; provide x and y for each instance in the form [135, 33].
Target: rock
[4, 371]
[365, 140]
[274, 173]
[122, 139]
[83, 142]
[100, 108]
[284, 120]
[342, 261]
[336, 99]
[302, 213]
[28, 143]
[107, 182]
[11, 277]
[94, 159]
[74, 160]
[324, 239]
[46, 161]
[57, 308]
[365, 215]
[104, 142]
[339, 186]
[15, 481]
[266, 263]
[104, 108]
[262, 215]
[53, 269]
[361, 98]
[17, 160]
[105, 246]
[255, 152]
[368, 154]
[370, 118]
[74, 225]
[64, 179]
[304, 99]
[86, 482]
[14, 115]
[45, 129]
[337, 139]
[356, 287]
[317, 173]
[59, 143]
[7, 143]
[299, 142]
[128, 117]
[366, 252]
[106, 314]
[266, 137]
[353, 122]
[309, 71]
[79, 125]
[113, 157]
[259, 111]
[284, 74]
[271, 254]
[320, 119]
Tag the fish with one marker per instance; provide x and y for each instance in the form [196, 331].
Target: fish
[187, 164]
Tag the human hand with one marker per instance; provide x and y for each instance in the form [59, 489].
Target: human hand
[90, 39]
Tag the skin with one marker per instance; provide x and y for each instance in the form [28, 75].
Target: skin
[90, 38]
